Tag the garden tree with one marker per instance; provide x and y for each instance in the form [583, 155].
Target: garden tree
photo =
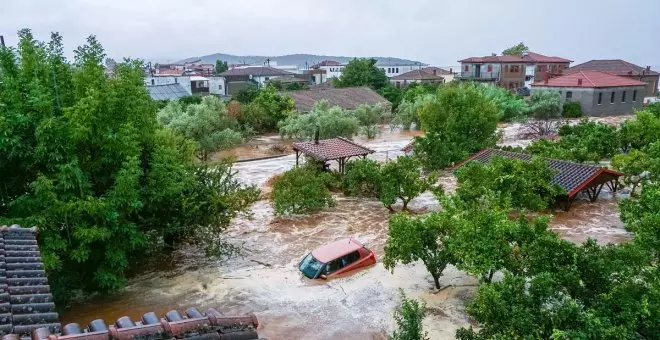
[84, 158]
[510, 108]
[423, 239]
[247, 94]
[632, 164]
[362, 178]
[369, 118]
[545, 106]
[392, 94]
[639, 132]
[418, 90]
[329, 121]
[524, 185]
[641, 216]
[207, 123]
[402, 179]
[267, 109]
[572, 110]
[458, 120]
[302, 190]
[220, 66]
[516, 50]
[408, 317]
[362, 72]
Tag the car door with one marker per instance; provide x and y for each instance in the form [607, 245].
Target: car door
[348, 262]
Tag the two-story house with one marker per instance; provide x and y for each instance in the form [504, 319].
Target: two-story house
[512, 72]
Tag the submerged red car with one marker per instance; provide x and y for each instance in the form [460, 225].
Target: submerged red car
[336, 258]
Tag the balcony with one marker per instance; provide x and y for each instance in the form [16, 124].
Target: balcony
[479, 76]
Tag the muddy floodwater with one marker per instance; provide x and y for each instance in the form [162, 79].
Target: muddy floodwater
[265, 280]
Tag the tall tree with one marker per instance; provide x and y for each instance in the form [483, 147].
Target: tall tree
[362, 72]
[220, 66]
[516, 50]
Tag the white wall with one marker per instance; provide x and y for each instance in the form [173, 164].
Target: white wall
[217, 86]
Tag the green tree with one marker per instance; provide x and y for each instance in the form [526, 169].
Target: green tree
[524, 185]
[633, 164]
[406, 114]
[273, 108]
[458, 121]
[409, 316]
[572, 110]
[247, 94]
[423, 239]
[546, 104]
[369, 118]
[392, 94]
[639, 132]
[207, 123]
[330, 121]
[220, 66]
[510, 107]
[302, 190]
[402, 179]
[516, 50]
[84, 158]
[362, 178]
[362, 72]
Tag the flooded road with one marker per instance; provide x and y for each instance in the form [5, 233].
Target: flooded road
[265, 279]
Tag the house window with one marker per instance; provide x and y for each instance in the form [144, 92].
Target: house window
[515, 68]
[506, 68]
[467, 68]
[634, 95]
[623, 97]
[600, 98]
[612, 98]
[153, 82]
[569, 94]
[490, 68]
[266, 78]
[397, 70]
[219, 87]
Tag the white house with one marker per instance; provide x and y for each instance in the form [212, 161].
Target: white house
[334, 69]
[192, 84]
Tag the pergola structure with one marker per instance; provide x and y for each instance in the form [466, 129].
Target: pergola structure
[575, 178]
[334, 149]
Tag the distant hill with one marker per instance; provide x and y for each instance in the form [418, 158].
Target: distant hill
[291, 59]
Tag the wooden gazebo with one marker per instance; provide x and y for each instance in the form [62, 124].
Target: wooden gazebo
[575, 178]
[334, 149]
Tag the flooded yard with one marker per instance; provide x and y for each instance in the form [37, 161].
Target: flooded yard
[265, 279]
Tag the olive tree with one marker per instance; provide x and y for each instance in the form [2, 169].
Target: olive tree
[402, 179]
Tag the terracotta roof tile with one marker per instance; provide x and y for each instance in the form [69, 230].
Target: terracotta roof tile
[589, 79]
[531, 57]
[347, 98]
[331, 149]
[573, 177]
[418, 75]
[540, 58]
[614, 66]
[255, 71]
[327, 63]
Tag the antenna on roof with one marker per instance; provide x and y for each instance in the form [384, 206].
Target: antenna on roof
[2, 41]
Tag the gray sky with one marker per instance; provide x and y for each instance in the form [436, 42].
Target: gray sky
[439, 32]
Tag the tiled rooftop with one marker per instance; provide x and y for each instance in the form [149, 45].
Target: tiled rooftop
[418, 75]
[331, 149]
[589, 79]
[347, 98]
[614, 66]
[573, 177]
[166, 92]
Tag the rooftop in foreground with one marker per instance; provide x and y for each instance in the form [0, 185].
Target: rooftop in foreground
[331, 149]
[589, 79]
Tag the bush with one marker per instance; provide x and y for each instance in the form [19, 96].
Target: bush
[409, 317]
[362, 178]
[572, 110]
[402, 179]
[330, 122]
[510, 107]
[302, 190]
[546, 104]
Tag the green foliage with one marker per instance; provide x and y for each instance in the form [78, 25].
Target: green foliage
[409, 316]
[510, 107]
[406, 114]
[524, 185]
[402, 179]
[639, 132]
[392, 94]
[369, 118]
[423, 239]
[207, 123]
[641, 216]
[362, 72]
[516, 50]
[220, 66]
[189, 100]
[247, 94]
[302, 190]
[632, 164]
[546, 104]
[362, 178]
[572, 110]
[330, 121]
[458, 121]
[84, 158]
[419, 90]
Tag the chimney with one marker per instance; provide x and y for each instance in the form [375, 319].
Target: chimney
[494, 54]
[450, 70]
[316, 135]
[579, 81]
[435, 72]
[2, 41]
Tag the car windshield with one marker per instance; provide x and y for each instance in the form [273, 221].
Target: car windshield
[310, 266]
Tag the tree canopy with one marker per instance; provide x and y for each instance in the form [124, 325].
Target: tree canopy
[362, 72]
[302, 190]
[331, 121]
[220, 66]
[516, 50]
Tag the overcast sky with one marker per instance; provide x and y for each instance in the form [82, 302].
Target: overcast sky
[439, 32]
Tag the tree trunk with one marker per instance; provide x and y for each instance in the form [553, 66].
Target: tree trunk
[490, 276]
[436, 280]
[405, 204]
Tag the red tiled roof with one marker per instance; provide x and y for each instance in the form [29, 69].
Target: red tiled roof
[573, 177]
[348, 98]
[327, 63]
[540, 58]
[255, 71]
[589, 79]
[331, 149]
[418, 75]
[614, 66]
[168, 72]
[438, 71]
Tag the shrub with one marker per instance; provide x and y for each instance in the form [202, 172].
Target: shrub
[409, 317]
[572, 110]
[546, 104]
[330, 122]
[362, 178]
[302, 190]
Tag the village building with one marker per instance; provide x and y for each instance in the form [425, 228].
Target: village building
[599, 93]
[241, 77]
[625, 69]
[348, 98]
[432, 75]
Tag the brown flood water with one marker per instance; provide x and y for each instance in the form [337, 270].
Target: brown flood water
[265, 279]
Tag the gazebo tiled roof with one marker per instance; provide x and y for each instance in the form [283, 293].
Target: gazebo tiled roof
[573, 177]
[331, 149]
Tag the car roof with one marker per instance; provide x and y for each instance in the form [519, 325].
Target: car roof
[331, 251]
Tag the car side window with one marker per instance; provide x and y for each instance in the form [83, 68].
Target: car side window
[333, 266]
[350, 258]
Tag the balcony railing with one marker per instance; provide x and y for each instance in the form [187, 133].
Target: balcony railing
[480, 76]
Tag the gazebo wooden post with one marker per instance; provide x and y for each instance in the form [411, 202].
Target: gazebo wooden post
[297, 156]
